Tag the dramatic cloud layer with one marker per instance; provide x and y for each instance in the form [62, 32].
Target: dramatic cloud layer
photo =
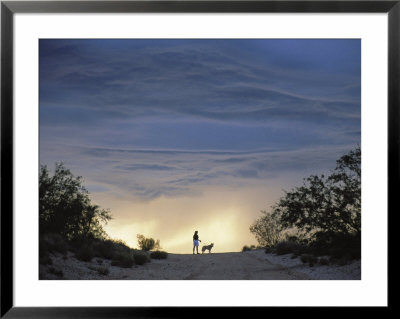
[145, 121]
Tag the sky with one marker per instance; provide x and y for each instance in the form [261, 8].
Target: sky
[178, 135]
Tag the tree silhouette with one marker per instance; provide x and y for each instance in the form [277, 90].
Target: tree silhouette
[331, 204]
[326, 207]
[267, 229]
[65, 207]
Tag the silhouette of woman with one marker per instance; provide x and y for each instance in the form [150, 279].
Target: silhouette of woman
[196, 241]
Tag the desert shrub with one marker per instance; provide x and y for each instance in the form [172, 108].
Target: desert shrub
[346, 246]
[246, 248]
[140, 258]
[324, 261]
[147, 243]
[298, 243]
[104, 248]
[286, 247]
[337, 245]
[159, 254]
[305, 258]
[104, 271]
[51, 243]
[310, 259]
[251, 247]
[109, 248]
[269, 250]
[299, 251]
[54, 243]
[85, 253]
[125, 260]
[120, 245]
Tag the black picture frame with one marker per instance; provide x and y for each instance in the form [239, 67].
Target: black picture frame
[9, 8]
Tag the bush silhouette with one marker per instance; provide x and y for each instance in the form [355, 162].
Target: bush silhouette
[140, 258]
[246, 248]
[324, 261]
[125, 260]
[286, 247]
[269, 250]
[85, 253]
[147, 243]
[305, 258]
[105, 248]
[104, 271]
[54, 243]
[158, 254]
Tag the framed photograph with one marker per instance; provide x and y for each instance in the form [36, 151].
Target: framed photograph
[161, 156]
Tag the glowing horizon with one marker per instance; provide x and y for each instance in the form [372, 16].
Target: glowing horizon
[218, 221]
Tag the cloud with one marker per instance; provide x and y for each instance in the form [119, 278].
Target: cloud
[151, 167]
[231, 160]
[246, 173]
[147, 119]
[201, 79]
[148, 174]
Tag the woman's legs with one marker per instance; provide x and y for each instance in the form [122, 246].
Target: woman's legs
[196, 245]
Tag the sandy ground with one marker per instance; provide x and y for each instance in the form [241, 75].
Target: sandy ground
[249, 265]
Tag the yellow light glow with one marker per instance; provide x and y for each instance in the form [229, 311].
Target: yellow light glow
[221, 216]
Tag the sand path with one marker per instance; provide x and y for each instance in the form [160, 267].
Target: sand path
[253, 265]
[215, 266]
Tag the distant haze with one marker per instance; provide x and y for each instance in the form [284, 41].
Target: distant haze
[175, 136]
